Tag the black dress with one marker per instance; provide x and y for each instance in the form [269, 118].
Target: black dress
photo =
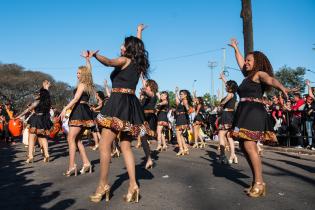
[123, 112]
[162, 115]
[251, 121]
[149, 114]
[226, 119]
[199, 118]
[39, 123]
[181, 117]
[81, 114]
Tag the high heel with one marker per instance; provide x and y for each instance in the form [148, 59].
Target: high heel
[116, 153]
[256, 192]
[159, 148]
[73, 170]
[233, 159]
[181, 152]
[202, 145]
[196, 146]
[46, 159]
[133, 196]
[95, 147]
[150, 166]
[186, 151]
[164, 148]
[97, 197]
[86, 168]
[30, 160]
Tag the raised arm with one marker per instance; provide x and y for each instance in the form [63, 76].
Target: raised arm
[222, 77]
[177, 100]
[239, 58]
[76, 98]
[310, 92]
[140, 28]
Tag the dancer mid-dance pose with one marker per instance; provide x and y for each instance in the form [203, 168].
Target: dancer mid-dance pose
[39, 123]
[162, 108]
[122, 113]
[100, 98]
[183, 103]
[226, 120]
[251, 122]
[198, 122]
[81, 118]
[149, 91]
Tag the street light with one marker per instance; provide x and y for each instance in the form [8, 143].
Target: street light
[193, 86]
[212, 65]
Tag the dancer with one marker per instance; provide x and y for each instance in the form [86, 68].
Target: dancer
[122, 113]
[183, 102]
[80, 119]
[100, 98]
[251, 122]
[198, 122]
[39, 123]
[225, 122]
[162, 121]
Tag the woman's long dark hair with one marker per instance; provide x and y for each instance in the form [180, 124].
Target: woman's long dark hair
[189, 99]
[261, 63]
[167, 96]
[136, 52]
[44, 100]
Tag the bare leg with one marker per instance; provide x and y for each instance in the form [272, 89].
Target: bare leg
[147, 152]
[196, 135]
[44, 145]
[159, 137]
[105, 150]
[179, 140]
[95, 137]
[222, 136]
[31, 143]
[82, 151]
[232, 146]
[251, 149]
[72, 135]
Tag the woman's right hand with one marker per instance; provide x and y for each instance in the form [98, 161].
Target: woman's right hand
[233, 43]
[62, 114]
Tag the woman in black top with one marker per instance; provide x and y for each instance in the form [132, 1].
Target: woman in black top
[162, 110]
[198, 122]
[81, 118]
[226, 119]
[39, 123]
[122, 113]
[251, 122]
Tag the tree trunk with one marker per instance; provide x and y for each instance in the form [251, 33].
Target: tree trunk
[246, 15]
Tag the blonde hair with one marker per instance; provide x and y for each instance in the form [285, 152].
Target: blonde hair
[86, 79]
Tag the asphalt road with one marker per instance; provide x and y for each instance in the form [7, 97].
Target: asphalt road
[196, 181]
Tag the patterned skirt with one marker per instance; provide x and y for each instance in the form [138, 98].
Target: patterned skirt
[40, 124]
[182, 122]
[251, 122]
[162, 119]
[81, 116]
[123, 113]
[226, 120]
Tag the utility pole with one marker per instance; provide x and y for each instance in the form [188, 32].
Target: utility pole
[212, 65]
[223, 70]
[246, 15]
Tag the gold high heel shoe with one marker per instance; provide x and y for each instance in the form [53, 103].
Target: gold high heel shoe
[159, 148]
[29, 160]
[196, 146]
[180, 153]
[164, 148]
[233, 160]
[256, 192]
[186, 151]
[46, 159]
[133, 196]
[95, 147]
[73, 170]
[116, 153]
[86, 168]
[97, 196]
[202, 145]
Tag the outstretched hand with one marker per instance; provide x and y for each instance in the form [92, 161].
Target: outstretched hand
[233, 43]
[89, 54]
[221, 75]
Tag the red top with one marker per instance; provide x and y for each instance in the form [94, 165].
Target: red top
[296, 107]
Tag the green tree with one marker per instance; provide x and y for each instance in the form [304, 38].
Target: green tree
[291, 78]
[172, 98]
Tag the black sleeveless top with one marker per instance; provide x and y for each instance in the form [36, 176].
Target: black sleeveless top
[85, 97]
[252, 89]
[163, 108]
[231, 103]
[181, 108]
[125, 78]
[149, 103]
[44, 102]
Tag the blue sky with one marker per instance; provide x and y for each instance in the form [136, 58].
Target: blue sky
[48, 36]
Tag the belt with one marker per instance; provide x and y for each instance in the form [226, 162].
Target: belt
[178, 113]
[39, 113]
[123, 90]
[149, 111]
[84, 102]
[250, 99]
[228, 110]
